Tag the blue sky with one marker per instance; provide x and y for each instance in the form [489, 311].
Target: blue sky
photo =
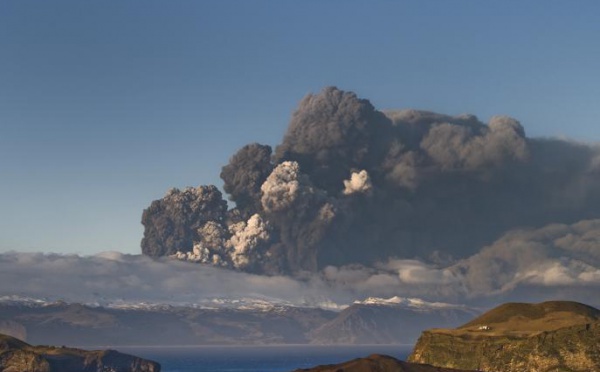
[104, 105]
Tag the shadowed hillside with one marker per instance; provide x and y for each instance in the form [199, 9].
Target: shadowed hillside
[18, 356]
[378, 363]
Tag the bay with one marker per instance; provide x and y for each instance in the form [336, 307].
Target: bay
[258, 358]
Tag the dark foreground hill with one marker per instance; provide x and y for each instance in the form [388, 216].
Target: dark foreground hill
[378, 363]
[18, 356]
[517, 337]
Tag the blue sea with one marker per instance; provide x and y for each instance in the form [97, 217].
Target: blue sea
[258, 358]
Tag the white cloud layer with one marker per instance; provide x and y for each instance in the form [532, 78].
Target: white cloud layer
[554, 262]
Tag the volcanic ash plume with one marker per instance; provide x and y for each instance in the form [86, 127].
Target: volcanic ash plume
[245, 174]
[350, 184]
[237, 247]
[172, 222]
[358, 182]
[246, 238]
[301, 212]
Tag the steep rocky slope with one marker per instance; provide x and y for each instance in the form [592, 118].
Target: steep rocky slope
[18, 356]
[518, 337]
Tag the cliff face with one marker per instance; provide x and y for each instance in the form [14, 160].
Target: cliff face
[18, 356]
[520, 342]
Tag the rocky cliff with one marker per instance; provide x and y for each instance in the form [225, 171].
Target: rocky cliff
[551, 336]
[18, 356]
[378, 363]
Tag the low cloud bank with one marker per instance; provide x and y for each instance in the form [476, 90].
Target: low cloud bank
[555, 262]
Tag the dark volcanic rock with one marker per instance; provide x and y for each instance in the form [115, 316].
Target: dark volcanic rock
[378, 363]
[18, 356]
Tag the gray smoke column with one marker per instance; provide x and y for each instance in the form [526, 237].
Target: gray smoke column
[241, 246]
[300, 211]
[331, 134]
[453, 147]
[245, 174]
[247, 238]
[350, 184]
[171, 224]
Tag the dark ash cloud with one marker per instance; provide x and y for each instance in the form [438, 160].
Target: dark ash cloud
[173, 221]
[244, 175]
[351, 185]
[556, 255]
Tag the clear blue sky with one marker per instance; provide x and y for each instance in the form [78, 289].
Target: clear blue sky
[104, 105]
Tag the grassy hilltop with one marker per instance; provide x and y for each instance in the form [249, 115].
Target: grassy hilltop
[518, 337]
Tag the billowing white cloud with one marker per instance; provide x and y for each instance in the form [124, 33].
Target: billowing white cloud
[359, 182]
[237, 247]
[419, 273]
[283, 187]
[246, 237]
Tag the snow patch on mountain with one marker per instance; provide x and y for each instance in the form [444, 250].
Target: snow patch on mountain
[241, 304]
[24, 301]
[409, 303]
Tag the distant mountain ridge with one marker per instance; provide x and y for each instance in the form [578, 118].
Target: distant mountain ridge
[207, 303]
[224, 322]
[392, 321]
[407, 302]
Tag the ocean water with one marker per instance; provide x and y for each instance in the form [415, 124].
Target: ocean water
[258, 358]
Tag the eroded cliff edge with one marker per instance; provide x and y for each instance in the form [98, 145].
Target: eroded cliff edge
[551, 336]
[18, 356]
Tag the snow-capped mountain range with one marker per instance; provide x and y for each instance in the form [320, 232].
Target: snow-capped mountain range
[225, 321]
[409, 303]
[245, 303]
